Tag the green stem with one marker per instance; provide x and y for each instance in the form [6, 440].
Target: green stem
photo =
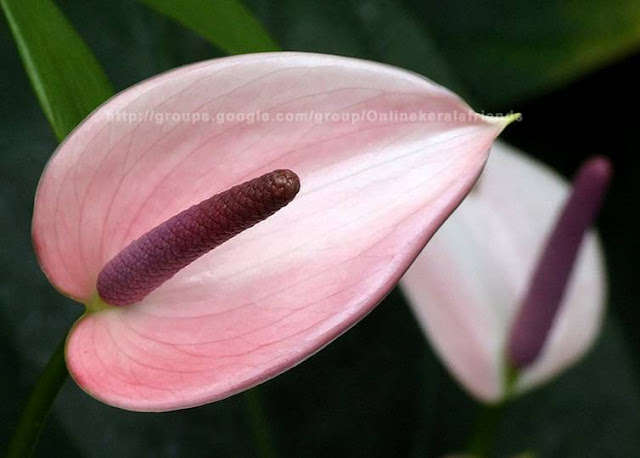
[485, 431]
[34, 416]
[258, 421]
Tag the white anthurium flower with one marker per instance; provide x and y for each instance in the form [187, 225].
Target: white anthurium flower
[509, 292]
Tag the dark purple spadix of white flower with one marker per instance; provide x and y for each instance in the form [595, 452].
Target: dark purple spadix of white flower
[159, 254]
[553, 271]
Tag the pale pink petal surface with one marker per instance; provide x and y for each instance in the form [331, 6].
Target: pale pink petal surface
[468, 283]
[372, 194]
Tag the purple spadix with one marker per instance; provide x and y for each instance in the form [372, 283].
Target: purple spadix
[159, 254]
[552, 274]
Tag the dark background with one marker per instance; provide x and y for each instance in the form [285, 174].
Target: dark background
[378, 390]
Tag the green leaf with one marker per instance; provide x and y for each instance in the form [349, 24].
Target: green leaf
[380, 30]
[495, 53]
[66, 77]
[509, 51]
[227, 24]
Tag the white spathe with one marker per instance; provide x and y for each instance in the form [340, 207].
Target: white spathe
[467, 285]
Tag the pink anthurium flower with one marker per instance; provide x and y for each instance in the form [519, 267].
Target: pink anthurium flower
[381, 157]
[508, 299]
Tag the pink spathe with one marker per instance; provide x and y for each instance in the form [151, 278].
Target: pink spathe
[373, 191]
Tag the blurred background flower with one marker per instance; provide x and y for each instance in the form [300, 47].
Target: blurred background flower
[468, 286]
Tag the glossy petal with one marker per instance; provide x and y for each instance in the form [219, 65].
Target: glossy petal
[373, 193]
[467, 284]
